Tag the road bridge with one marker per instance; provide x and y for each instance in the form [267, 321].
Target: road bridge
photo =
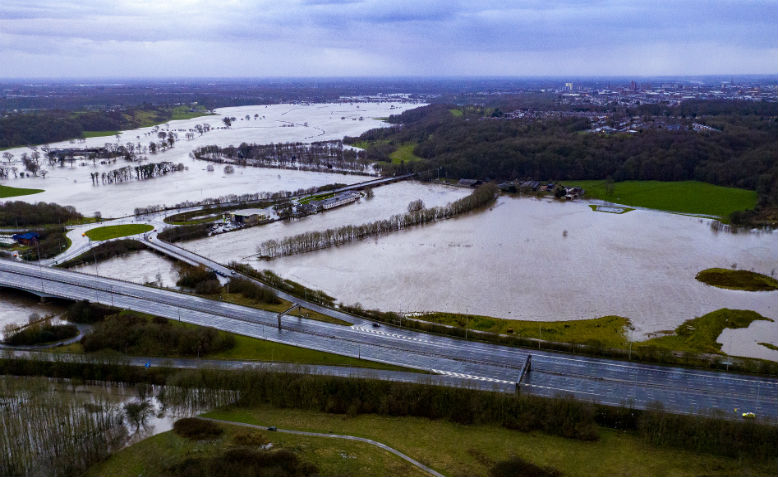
[590, 379]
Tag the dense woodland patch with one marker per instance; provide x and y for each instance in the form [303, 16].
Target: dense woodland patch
[480, 143]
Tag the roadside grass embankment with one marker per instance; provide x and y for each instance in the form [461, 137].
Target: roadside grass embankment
[115, 231]
[692, 344]
[737, 279]
[7, 191]
[686, 197]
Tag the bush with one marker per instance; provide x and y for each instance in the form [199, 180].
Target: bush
[516, 467]
[241, 461]
[249, 438]
[197, 429]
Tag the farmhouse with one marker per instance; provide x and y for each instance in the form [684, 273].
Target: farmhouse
[27, 238]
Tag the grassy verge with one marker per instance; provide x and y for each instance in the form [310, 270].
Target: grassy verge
[7, 191]
[154, 456]
[608, 330]
[88, 134]
[405, 154]
[737, 279]
[689, 197]
[699, 334]
[114, 231]
[456, 449]
[302, 313]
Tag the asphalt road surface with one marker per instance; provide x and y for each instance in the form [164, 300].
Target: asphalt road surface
[591, 379]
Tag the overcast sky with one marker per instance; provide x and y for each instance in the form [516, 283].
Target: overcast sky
[231, 38]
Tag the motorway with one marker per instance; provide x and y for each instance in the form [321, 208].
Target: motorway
[489, 366]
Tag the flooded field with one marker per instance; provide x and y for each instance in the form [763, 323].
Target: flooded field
[542, 260]
[139, 267]
[274, 124]
[17, 306]
[387, 201]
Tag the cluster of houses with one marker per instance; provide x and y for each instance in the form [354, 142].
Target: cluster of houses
[315, 206]
[529, 187]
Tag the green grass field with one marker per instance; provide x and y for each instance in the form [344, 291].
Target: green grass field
[457, 113]
[608, 330]
[737, 279]
[332, 457]
[182, 112]
[6, 191]
[688, 197]
[88, 134]
[456, 449]
[114, 231]
[405, 154]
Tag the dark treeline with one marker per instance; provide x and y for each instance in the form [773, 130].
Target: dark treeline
[199, 279]
[323, 155]
[104, 251]
[21, 129]
[556, 416]
[42, 332]
[21, 214]
[288, 286]
[139, 173]
[742, 153]
[134, 334]
[251, 290]
[317, 240]
[185, 232]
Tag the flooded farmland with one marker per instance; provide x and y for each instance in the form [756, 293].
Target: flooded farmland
[387, 201]
[543, 260]
[273, 124]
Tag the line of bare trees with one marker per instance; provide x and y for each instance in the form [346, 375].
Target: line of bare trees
[141, 173]
[316, 156]
[317, 240]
